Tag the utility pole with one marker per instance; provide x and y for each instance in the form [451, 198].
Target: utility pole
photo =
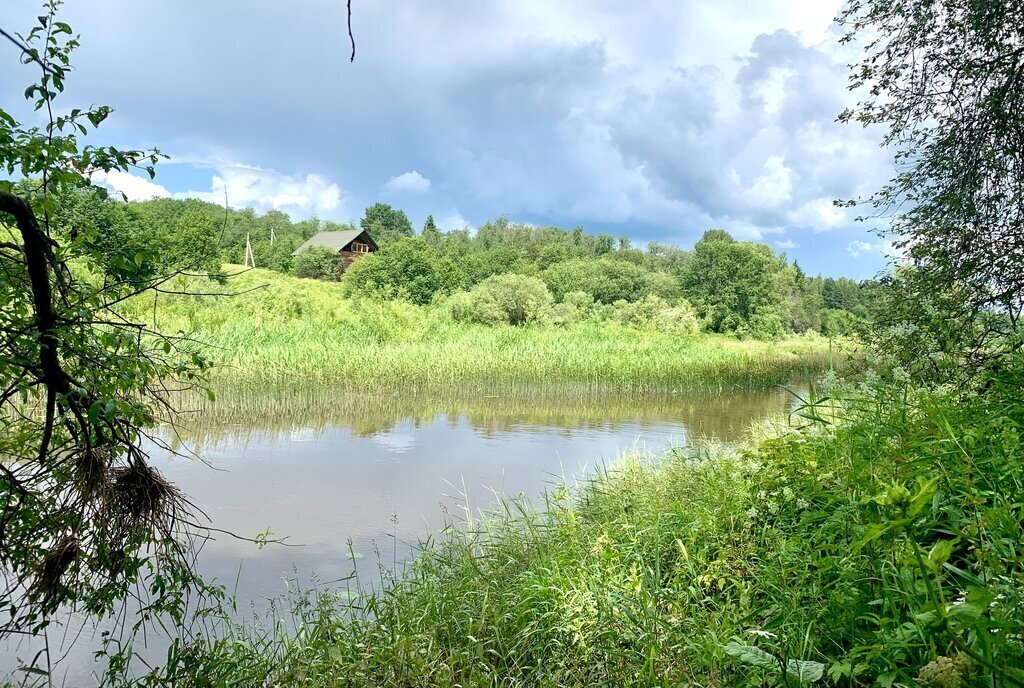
[250, 259]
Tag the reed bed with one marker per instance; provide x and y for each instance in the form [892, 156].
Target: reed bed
[291, 330]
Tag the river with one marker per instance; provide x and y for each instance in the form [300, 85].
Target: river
[352, 482]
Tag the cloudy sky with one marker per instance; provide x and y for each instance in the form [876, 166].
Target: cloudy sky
[657, 119]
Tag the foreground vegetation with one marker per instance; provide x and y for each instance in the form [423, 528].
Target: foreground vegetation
[875, 539]
[284, 329]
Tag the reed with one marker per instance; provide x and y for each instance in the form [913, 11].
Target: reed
[290, 329]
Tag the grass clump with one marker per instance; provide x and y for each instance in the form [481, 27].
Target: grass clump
[873, 540]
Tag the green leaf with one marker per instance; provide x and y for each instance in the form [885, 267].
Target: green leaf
[886, 680]
[754, 656]
[926, 490]
[805, 670]
[940, 553]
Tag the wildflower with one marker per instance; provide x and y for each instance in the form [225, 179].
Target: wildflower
[602, 542]
[752, 513]
[944, 672]
[761, 634]
[773, 507]
[802, 503]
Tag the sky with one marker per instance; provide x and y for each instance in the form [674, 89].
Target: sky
[654, 119]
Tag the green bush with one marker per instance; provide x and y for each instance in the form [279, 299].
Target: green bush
[766, 324]
[608, 280]
[504, 299]
[318, 262]
[655, 313]
[839, 323]
[408, 268]
[574, 307]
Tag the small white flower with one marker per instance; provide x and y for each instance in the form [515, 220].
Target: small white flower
[761, 634]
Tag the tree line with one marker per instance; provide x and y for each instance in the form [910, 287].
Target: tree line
[739, 287]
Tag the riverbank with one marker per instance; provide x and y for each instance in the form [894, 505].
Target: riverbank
[874, 542]
[281, 329]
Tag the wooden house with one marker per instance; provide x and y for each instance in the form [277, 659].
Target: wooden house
[348, 244]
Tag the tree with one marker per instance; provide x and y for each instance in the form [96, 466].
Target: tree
[945, 81]
[386, 224]
[194, 243]
[406, 269]
[110, 237]
[730, 282]
[606, 279]
[317, 262]
[431, 234]
[85, 520]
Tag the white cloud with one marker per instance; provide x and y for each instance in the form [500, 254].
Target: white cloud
[774, 187]
[134, 188]
[672, 117]
[452, 221]
[787, 244]
[857, 248]
[262, 189]
[407, 182]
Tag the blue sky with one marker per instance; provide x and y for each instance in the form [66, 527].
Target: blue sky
[656, 119]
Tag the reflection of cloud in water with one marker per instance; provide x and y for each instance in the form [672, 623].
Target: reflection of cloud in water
[395, 441]
[300, 434]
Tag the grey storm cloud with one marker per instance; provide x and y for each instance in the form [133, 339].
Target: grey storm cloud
[577, 113]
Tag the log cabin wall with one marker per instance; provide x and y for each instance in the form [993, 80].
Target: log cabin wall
[346, 258]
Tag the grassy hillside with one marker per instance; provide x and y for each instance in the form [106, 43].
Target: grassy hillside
[288, 330]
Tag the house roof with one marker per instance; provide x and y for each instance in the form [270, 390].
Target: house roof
[332, 240]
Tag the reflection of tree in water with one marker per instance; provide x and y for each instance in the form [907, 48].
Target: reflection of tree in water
[243, 412]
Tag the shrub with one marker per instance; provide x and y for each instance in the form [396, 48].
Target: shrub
[653, 312]
[575, 306]
[838, 323]
[318, 262]
[607, 280]
[766, 324]
[407, 269]
[680, 319]
[579, 300]
[509, 298]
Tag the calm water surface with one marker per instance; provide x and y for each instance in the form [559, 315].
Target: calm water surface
[323, 468]
[385, 470]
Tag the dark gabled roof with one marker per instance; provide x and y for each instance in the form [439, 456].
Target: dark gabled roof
[333, 240]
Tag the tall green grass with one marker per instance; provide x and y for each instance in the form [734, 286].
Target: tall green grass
[289, 330]
[870, 541]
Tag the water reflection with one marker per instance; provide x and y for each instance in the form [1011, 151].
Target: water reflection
[384, 470]
[322, 467]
